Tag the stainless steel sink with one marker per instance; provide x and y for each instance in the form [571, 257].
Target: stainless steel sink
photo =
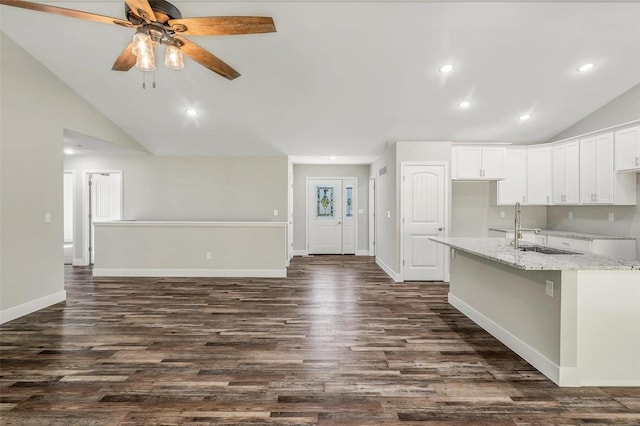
[546, 250]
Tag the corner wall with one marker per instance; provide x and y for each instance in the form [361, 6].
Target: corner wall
[35, 107]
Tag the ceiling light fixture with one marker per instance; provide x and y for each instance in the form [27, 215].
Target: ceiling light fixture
[585, 67]
[333, 157]
[525, 117]
[68, 151]
[446, 68]
[191, 112]
[464, 104]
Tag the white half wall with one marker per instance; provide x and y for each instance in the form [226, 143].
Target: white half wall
[188, 249]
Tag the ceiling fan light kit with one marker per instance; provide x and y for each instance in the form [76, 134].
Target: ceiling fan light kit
[159, 22]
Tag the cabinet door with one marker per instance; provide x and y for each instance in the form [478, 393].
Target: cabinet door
[604, 169]
[539, 176]
[572, 172]
[588, 170]
[514, 186]
[627, 148]
[469, 161]
[558, 174]
[493, 162]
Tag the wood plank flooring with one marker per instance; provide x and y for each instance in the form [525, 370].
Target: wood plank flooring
[337, 342]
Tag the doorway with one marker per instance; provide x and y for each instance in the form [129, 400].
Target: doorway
[102, 202]
[424, 215]
[68, 185]
[331, 218]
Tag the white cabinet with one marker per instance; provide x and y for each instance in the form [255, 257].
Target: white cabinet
[471, 162]
[596, 169]
[627, 149]
[620, 249]
[599, 183]
[539, 175]
[565, 173]
[514, 186]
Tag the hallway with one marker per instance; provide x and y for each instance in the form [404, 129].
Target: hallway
[337, 342]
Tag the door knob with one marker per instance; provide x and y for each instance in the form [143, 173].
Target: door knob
[339, 222]
[440, 229]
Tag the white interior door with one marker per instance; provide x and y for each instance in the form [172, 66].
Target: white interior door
[325, 216]
[105, 190]
[423, 203]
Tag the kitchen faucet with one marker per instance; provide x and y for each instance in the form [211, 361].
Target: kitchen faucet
[517, 232]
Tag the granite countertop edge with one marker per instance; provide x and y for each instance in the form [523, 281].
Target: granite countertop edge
[499, 250]
[567, 234]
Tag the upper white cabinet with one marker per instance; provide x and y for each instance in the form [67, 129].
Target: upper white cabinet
[565, 173]
[627, 150]
[539, 175]
[599, 184]
[514, 186]
[478, 162]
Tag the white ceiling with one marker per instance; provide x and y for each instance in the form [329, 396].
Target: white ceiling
[344, 78]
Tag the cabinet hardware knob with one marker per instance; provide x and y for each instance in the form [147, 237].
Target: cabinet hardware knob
[440, 228]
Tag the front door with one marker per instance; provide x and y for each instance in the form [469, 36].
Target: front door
[423, 203]
[325, 216]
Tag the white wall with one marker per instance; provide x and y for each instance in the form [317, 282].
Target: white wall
[387, 236]
[303, 171]
[192, 188]
[35, 107]
[622, 109]
[472, 213]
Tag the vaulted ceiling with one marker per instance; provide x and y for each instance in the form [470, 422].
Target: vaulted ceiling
[344, 77]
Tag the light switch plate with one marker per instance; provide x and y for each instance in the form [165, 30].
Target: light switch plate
[275, 212]
[611, 217]
[548, 288]
[502, 214]
[47, 217]
[570, 215]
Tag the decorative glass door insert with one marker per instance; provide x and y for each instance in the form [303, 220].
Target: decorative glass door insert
[349, 201]
[325, 201]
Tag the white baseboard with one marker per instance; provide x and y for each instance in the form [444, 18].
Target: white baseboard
[362, 252]
[530, 354]
[299, 252]
[78, 261]
[393, 274]
[236, 273]
[32, 306]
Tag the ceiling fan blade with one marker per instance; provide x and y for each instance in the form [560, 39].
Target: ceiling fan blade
[66, 12]
[207, 59]
[223, 25]
[126, 60]
[142, 8]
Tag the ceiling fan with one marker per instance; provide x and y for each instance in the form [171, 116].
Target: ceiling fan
[159, 22]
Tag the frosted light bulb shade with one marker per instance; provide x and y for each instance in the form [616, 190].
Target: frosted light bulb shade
[146, 62]
[173, 58]
[141, 44]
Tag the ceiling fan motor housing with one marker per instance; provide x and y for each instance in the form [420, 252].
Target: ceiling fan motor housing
[163, 10]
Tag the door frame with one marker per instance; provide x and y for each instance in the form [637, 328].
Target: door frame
[85, 208]
[372, 216]
[355, 210]
[447, 211]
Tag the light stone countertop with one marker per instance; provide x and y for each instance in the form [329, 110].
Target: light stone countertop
[567, 234]
[500, 250]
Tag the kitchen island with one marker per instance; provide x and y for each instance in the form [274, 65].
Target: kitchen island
[574, 317]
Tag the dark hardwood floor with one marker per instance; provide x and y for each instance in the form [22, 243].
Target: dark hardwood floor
[337, 342]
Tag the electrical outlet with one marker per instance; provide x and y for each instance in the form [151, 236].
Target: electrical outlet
[209, 255]
[275, 212]
[47, 217]
[570, 215]
[502, 214]
[548, 290]
[360, 211]
[611, 217]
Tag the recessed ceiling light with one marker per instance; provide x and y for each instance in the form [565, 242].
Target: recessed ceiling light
[333, 157]
[191, 112]
[525, 117]
[585, 67]
[446, 68]
[464, 104]
[68, 151]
